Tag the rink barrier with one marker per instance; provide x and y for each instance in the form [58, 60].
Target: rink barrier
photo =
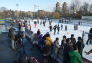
[54, 56]
[59, 58]
[86, 60]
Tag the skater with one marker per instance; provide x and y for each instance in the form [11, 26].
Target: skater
[19, 26]
[62, 20]
[41, 23]
[79, 22]
[50, 22]
[50, 27]
[83, 34]
[75, 27]
[55, 29]
[44, 23]
[35, 23]
[65, 27]
[38, 20]
[89, 41]
[58, 29]
[61, 26]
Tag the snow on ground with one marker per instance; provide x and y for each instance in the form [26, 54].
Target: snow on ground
[68, 33]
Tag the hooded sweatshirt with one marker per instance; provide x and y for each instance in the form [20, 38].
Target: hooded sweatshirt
[75, 57]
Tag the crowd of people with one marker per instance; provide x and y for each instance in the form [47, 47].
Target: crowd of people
[70, 49]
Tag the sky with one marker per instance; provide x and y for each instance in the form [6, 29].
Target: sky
[32, 5]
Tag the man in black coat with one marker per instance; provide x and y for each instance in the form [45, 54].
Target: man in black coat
[58, 29]
[55, 29]
[80, 45]
[89, 41]
[73, 40]
[50, 27]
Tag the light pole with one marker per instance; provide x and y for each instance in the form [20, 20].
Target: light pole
[17, 5]
[34, 10]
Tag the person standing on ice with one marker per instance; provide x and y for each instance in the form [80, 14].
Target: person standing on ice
[89, 41]
[40, 22]
[58, 29]
[50, 27]
[83, 34]
[35, 23]
[79, 23]
[61, 26]
[50, 22]
[62, 20]
[65, 27]
[55, 29]
[19, 26]
[44, 23]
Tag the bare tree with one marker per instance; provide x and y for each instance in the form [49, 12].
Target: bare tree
[3, 8]
[85, 8]
[75, 6]
[58, 7]
[90, 8]
[64, 8]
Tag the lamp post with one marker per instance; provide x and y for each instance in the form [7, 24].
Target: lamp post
[34, 11]
[17, 6]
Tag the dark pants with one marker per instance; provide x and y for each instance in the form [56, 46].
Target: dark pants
[54, 32]
[89, 41]
[66, 58]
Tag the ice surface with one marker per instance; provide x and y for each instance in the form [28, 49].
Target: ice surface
[84, 27]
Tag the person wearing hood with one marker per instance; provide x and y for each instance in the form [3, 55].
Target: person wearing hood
[75, 57]
[49, 40]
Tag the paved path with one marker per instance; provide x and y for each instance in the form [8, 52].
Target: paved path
[6, 53]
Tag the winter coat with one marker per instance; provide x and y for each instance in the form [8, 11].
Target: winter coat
[39, 37]
[40, 40]
[80, 45]
[56, 44]
[73, 40]
[75, 57]
[49, 41]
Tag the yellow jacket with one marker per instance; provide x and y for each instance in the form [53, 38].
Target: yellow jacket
[48, 41]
